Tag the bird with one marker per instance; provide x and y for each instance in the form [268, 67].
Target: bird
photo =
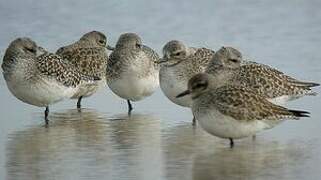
[234, 112]
[89, 56]
[229, 67]
[178, 65]
[38, 77]
[132, 69]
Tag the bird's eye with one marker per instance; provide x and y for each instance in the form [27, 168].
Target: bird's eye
[234, 60]
[32, 50]
[177, 54]
[199, 85]
[101, 41]
[138, 45]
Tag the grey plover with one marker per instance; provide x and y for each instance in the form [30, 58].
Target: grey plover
[89, 56]
[178, 65]
[132, 69]
[38, 77]
[234, 112]
[229, 67]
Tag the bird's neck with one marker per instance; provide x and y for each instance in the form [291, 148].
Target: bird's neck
[220, 77]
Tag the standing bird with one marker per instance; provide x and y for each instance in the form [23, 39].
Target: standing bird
[132, 69]
[179, 64]
[233, 112]
[37, 77]
[229, 68]
[89, 56]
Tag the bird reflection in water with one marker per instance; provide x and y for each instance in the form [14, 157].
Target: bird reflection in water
[194, 154]
[265, 160]
[86, 145]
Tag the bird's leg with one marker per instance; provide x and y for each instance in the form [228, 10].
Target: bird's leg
[46, 115]
[254, 137]
[130, 107]
[231, 142]
[79, 103]
[194, 121]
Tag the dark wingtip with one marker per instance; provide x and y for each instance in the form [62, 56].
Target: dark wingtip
[298, 113]
[308, 84]
[314, 84]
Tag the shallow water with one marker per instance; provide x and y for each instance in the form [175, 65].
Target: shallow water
[158, 141]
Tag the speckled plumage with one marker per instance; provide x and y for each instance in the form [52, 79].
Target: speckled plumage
[141, 60]
[89, 61]
[152, 55]
[231, 111]
[53, 66]
[243, 104]
[38, 77]
[179, 64]
[193, 64]
[132, 72]
[264, 80]
[89, 56]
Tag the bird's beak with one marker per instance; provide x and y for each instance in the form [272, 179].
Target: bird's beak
[110, 48]
[183, 94]
[161, 60]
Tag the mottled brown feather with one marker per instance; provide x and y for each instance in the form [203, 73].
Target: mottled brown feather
[54, 66]
[89, 61]
[242, 103]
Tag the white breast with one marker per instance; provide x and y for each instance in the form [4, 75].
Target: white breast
[171, 86]
[41, 92]
[137, 81]
[134, 88]
[224, 126]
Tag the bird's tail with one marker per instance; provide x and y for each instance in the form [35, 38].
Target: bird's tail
[299, 113]
[306, 84]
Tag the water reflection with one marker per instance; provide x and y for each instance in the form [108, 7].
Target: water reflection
[85, 145]
[137, 139]
[180, 144]
[193, 154]
[263, 160]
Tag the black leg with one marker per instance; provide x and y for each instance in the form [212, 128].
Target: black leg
[130, 107]
[46, 115]
[253, 137]
[79, 102]
[231, 142]
[194, 121]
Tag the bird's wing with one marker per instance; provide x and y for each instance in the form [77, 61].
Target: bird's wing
[270, 70]
[201, 58]
[52, 65]
[267, 81]
[242, 104]
[89, 61]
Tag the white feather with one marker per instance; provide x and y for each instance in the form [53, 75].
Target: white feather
[172, 86]
[218, 124]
